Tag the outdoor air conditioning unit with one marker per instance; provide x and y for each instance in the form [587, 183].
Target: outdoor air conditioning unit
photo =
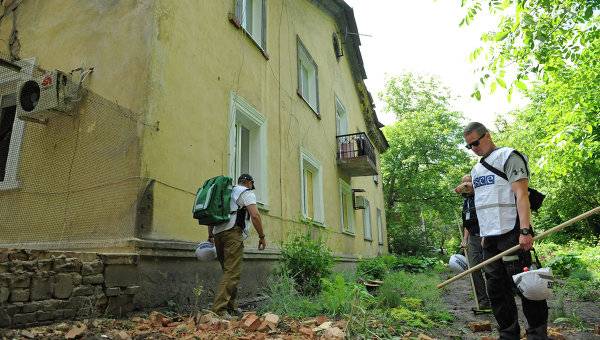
[360, 202]
[39, 96]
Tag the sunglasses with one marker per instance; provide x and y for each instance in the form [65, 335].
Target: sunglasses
[475, 143]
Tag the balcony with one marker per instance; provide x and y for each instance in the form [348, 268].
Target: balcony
[356, 155]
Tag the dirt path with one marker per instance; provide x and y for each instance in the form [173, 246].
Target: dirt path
[458, 297]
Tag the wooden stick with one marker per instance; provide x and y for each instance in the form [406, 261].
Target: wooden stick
[465, 251]
[515, 248]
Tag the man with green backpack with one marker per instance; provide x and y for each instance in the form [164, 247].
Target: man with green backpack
[229, 236]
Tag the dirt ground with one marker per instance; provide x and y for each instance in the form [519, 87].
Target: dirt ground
[459, 298]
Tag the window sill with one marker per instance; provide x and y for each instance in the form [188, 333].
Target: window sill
[369, 240]
[312, 222]
[9, 185]
[235, 22]
[349, 233]
[310, 106]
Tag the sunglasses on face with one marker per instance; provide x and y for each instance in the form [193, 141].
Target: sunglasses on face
[474, 143]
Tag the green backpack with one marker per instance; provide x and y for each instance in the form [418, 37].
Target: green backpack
[212, 203]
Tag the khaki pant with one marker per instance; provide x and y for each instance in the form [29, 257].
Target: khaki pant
[230, 252]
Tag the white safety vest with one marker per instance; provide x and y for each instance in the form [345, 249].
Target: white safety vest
[495, 202]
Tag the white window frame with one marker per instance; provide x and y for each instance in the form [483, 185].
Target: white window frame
[346, 222]
[10, 181]
[308, 161]
[312, 84]
[341, 118]
[379, 227]
[256, 24]
[243, 114]
[368, 232]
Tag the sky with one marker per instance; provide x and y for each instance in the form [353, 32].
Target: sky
[423, 37]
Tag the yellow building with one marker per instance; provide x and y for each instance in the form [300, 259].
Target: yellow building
[178, 92]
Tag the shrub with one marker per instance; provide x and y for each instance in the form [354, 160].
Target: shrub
[414, 264]
[375, 268]
[307, 261]
[563, 265]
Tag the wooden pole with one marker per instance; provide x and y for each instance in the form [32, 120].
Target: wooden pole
[465, 251]
[515, 248]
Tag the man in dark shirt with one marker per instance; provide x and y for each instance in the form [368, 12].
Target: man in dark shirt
[472, 241]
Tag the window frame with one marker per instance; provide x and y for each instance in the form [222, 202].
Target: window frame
[346, 190]
[304, 57]
[308, 161]
[379, 227]
[244, 114]
[367, 222]
[341, 121]
[11, 181]
[241, 20]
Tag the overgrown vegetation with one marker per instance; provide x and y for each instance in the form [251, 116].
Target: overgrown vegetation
[378, 267]
[407, 300]
[576, 267]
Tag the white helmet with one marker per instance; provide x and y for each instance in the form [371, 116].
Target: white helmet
[535, 284]
[458, 263]
[206, 251]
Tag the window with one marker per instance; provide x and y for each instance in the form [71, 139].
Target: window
[346, 208]
[252, 16]
[367, 221]
[337, 47]
[11, 128]
[379, 227]
[341, 118]
[308, 87]
[312, 187]
[248, 145]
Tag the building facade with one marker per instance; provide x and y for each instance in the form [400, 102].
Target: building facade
[177, 92]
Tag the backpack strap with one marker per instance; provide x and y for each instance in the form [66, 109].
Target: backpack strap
[500, 173]
[492, 169]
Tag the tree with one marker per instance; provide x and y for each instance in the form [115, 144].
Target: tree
[560, 132]
[539, 37]
[422, 164]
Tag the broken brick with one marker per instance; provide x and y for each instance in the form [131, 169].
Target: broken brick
[481, 326]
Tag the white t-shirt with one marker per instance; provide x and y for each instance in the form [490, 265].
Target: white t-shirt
[244, 198]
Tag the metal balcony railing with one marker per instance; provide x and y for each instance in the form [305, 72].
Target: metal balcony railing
[356, 154]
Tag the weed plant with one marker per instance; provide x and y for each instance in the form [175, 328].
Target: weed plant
[284, 299]
[414, 299]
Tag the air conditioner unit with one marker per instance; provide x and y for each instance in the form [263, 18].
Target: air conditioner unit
[360, 202]
[39, 96]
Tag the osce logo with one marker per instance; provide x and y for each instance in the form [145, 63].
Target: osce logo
[483, 180]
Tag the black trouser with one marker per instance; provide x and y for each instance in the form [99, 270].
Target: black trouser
[501, 290]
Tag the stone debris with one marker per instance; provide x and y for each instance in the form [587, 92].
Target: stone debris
[201, 325]
[76, 332]
[480, 326]
[554, 333]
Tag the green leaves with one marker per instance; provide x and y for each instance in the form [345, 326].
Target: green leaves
[539, 37]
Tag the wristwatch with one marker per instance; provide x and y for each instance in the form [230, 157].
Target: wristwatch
[525, 231]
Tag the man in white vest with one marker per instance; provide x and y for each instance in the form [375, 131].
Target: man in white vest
[504, 221]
